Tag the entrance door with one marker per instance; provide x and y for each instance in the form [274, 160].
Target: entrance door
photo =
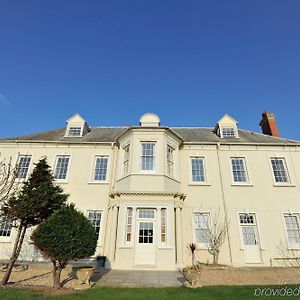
[145, 239]
[250, 238]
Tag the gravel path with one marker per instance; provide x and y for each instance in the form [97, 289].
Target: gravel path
[41, 275]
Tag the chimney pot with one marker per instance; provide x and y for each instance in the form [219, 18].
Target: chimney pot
[268, 124]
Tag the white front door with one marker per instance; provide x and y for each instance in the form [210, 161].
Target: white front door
[145, 238]
[250, 239]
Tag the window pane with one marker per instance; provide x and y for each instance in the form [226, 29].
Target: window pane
[100, 168]
[147, 213]
[163, 229]
[23, 166]
[201, 228]
[170, 160]
[198, 170]
[61, 167]
[128, 224]
[292, 227]
[5, 227]
[239, 170]
[95, 217]
[75, 131]
[279, 170]
[148, 156]
[126, 159]
[228, 132]
[146, 233]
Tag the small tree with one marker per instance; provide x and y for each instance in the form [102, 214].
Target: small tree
[66, 235]
[35, 202]
[8, 174]
[216, 232]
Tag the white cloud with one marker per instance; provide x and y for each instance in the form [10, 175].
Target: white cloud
[4, 100]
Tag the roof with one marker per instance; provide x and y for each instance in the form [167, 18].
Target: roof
[188, 135]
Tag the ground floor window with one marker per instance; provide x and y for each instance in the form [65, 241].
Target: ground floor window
[128, 224]
[95, 217]
[292, 228]
[5, 227]
[201, 221]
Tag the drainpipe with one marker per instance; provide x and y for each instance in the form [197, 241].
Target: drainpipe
[108, 231]
[223, 200]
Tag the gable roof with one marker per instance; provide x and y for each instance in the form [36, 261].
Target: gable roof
[188, 135]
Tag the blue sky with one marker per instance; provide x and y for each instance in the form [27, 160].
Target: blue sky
[111, 61]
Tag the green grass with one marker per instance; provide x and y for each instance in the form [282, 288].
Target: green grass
[205, 293]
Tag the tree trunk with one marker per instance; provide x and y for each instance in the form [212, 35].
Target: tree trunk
[57, 283]
[216, 257]
[56, 275]
[15, 253]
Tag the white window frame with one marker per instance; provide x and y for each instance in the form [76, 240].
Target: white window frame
[290, 246]
[68, 169]
[74, 127]
[154, 156]
[172, 161]
[235, 132]
[258, 229]
[191, 182]
[29, 167]
[127, 146]
[6, 238]
[275, 183]
[247, 182]
[194, 227]
[93, 180]
[100, 235]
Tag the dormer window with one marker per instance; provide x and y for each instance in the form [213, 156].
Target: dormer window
[74, 131]
[228, 132]
[227, 127]
[76, 127]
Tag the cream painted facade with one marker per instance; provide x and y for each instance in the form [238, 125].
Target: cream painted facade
[152, 185]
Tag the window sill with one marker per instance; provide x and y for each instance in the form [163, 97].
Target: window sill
[293, 248]
[60, 181]
[242, 184]
[98, 182]
[125, 247]
[199, 184]
[164, 248]
[283, 185]
[5, 239]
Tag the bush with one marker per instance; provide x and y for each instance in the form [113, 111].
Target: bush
[66, 235]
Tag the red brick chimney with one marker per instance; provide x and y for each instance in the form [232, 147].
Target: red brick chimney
[268, 124]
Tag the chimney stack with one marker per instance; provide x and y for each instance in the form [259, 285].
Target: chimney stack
[268, 124]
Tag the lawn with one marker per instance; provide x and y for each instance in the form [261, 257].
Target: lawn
[206, 293]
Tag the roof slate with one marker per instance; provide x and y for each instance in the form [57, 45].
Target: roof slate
[188, 135]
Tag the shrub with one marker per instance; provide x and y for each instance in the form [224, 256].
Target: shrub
[66, 235]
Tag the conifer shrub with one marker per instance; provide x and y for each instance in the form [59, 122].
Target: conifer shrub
[66, 235]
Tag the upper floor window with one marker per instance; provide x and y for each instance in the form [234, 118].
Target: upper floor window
[228, 132]
[170, 160]
[198, 172]
[148, 157]
[100, 170]
[23, 166]
[74, 131]
[239, 171]
[95, 217]
[5, 227]
[126, 159]
[61, 167]
[280, 170]
[201, 228]
[292, 228]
